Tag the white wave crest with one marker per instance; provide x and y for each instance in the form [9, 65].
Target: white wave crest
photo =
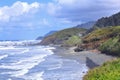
[3, 56]
[33, 57]
[19, 43]
[34, 76]
[22, 67]
[6, 48]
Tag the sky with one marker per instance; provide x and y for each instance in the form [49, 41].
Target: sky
[28, 19]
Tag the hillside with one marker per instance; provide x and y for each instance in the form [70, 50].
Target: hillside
[87, 25]
[105, 36]
[62, 36]
[113, 20]
[108, 71]
[40, 38]
[47, 34]
[50, 33]
[106, 39]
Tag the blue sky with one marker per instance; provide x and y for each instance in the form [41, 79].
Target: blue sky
[28, 19]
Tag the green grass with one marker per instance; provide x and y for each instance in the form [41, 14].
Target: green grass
[109, 39]
[111, 46]
[73, 41]
[103, 33]
[106, 40]
[109, 71]
[63, 36]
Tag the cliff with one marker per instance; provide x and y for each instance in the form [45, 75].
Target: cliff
[113, 20]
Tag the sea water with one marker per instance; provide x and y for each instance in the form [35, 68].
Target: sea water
[20, 60]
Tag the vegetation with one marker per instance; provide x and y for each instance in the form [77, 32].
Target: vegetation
[103, 33]
[62, 36]
[109, 43]
[111, 46]
[107, 39]
[73, 41]
[109, 71]
[100, 36]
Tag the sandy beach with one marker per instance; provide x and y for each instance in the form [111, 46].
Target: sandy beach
[91, 58]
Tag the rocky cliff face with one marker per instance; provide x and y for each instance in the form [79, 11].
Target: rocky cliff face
[113, 20]
[103, 22]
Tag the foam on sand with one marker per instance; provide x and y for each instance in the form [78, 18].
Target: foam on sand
[56, 66]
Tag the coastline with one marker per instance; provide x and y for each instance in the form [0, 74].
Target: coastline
[91, 58]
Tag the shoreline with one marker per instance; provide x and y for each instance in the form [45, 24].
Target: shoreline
[91, 58]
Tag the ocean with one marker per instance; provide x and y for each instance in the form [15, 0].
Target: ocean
[22, 60]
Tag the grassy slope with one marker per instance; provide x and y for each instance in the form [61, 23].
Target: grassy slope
[109, 40]
[109, 71]
[102, 34]
[99, 36]
[73, 41]
[111, 46]
[61, 36]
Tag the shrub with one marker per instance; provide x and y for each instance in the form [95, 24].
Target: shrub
[72, 41]
[108, 71]
[111, 46]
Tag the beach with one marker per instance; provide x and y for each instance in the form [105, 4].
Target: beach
[21, 62]
[92, 58]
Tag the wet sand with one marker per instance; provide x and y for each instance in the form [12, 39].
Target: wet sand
[91, 58]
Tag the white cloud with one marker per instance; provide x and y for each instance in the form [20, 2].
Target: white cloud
[84, 10]
[74, 3]
[17, 9]
[52, 8]
[67, 2]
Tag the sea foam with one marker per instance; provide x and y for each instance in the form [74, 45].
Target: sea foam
[23, 65]
[3, 56]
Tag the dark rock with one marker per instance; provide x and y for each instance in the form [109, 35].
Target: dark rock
[90, 63]
[78, 49]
